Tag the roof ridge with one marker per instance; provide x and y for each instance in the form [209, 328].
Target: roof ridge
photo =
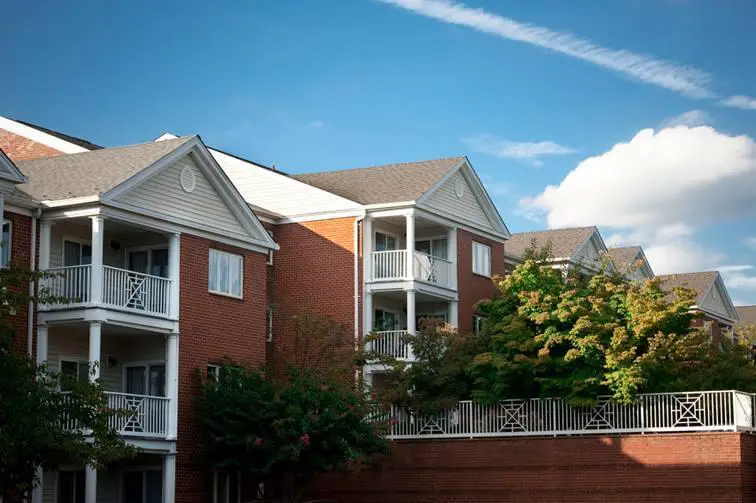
[103, 150]
[406, 163]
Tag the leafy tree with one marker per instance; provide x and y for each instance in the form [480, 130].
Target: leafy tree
[39, 426]
[284, 431]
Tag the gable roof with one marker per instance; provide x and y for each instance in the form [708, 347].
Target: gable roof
[9, 171]
[91, 173]
[391, 183]
[747, 314]
[564, 242]
[70, 139]
[700, 282]
[625, 257]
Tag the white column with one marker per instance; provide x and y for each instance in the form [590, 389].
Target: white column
[411, 319]
[171, 380]
[367, 318]
[42, 344]
[410, 245]
[44, 244]
[169, 478]
[98, 235]
[95, 336]
[37, 495]
[367, 249]
[90, 485]
[451, 239]
[174, 270]
[454, 314]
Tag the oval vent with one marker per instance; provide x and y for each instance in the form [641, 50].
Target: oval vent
[459, 188]
[187, 179]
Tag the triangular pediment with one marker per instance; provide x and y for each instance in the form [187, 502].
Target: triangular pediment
[8, 170]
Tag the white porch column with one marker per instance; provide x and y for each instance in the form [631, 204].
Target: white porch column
[174, 270]
[37, 495]
[44, 244]
[42, 344]
[367, 318]
[411, 319]
[367, 249]
[410, 246]
[90, 485]
[454, 314]
[95, 336]
[98, 234]
[171, 381]
[451, 239]
[169, 478]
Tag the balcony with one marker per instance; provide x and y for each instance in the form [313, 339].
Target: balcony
[391, 265]
[121, 289]
[391, 343]
[143, 416]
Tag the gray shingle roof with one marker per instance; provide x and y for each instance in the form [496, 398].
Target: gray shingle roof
[697, 281]
[747, 314]
[564, 242]
[624, 258]
[90, 173]
[383, 184]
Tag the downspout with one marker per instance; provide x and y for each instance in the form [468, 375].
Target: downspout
[32, 267]
[357, 279]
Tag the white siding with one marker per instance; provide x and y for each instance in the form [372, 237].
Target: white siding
[77, 231]
[162, 194]
[714, 302]
[278, 193]
[466, 208]
[590, 254]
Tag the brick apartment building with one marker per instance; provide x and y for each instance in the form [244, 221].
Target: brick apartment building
[179, 255]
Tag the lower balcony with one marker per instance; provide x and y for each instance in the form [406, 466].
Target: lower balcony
[393, 343]
[143, 416]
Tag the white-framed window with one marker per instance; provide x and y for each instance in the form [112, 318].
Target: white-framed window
[477, 323]
[384, 241]
[270, 324]
[481, 259]
[213, 371]
[76, 252]
[226, 487]
[5, 246]
[225, 273]
[435, 247]
[270, 252]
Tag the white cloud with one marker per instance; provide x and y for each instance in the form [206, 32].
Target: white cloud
[737, 277]
[658, 190]
[521, 151]
[744, 102]
[316, 124]
[676, 77]
[691, 119]
[751, 242]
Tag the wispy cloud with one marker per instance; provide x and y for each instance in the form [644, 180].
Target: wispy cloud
[521, 151]
[316, 124]
[751, 241]
[691, 119]
[744, 102]
[676, 77]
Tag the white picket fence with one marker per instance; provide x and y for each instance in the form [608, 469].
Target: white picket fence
[649, 413]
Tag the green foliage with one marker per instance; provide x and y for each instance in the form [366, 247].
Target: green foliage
[285, 431]
[32, 430]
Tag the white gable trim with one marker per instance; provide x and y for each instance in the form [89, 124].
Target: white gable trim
[719, 285]
[480, 193]
[594, 238]
[9, 171]
[255, 232]
[40, 137]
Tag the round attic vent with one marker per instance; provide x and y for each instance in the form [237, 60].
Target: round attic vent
[459, 188]
[187, 179]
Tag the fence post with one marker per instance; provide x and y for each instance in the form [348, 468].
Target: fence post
[643, 414]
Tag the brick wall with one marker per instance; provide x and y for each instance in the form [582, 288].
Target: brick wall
[313, 273]
[212, 327]
[19, 148]
[692, 468]
[20, 256]
[473, 288]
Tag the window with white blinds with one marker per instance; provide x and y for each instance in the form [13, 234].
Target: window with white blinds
[481, 262]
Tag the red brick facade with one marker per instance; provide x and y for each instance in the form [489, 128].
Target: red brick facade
[213, 327]
[20, 256]
[20, 148]
[692, 468]
[472, 287]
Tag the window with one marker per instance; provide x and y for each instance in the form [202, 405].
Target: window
[225, 273]
[148, 379]
[437, 247]
[481, 259]
[384, 321]
[142, 486]
[76, 253]
[384, 242]
[270, 252]
[225, 487]
[5, 250]
[213, 371]
[70, 487]
[270, 324]
[73, 370]
[477, 323]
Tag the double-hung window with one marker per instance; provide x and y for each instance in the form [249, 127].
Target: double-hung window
[481, 260]
[477, 323]
[225, 273]
[5, 246]
[73, 370]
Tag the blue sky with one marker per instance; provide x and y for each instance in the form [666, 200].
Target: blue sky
[531, 91]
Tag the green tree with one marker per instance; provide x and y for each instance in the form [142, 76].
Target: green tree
[39, 426]
[284, 431]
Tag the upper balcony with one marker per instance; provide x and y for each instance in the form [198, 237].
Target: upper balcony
[111, 270]
[406, 251]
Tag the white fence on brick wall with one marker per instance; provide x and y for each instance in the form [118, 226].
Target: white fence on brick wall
[650, 413]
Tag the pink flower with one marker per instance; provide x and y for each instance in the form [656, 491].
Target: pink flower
[394, 421]
[305, 439]
[259, 442]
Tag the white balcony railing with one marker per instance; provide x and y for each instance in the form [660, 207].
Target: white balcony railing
[651, 413]
[392, 265]
[392, 343]
[141, 415]
[121, 289]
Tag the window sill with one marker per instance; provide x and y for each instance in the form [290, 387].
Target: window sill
[482, 275]
[227, 295]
